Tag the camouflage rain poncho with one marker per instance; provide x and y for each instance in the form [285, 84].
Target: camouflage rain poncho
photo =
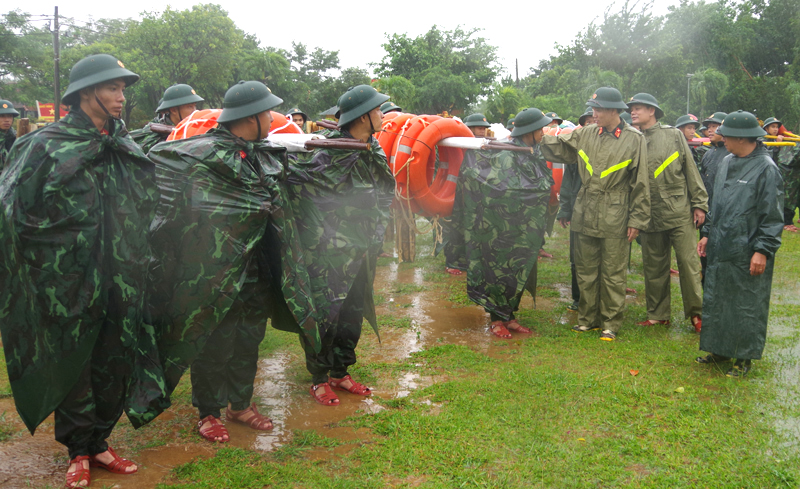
[7, 139]
[222, 221]
[501, 200]
[77, 206]
[146, 138]
[340, 199]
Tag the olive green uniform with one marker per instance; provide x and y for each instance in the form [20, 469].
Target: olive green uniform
[613, 196]
[675, 189]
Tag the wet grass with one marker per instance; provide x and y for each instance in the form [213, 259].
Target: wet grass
[559, 410]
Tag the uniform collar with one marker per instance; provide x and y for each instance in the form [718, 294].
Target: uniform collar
[617, 131]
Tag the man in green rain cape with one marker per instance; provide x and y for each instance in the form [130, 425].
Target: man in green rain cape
[179, 101]
[740, 239]
[221, 226]
[340, 199]
[78, 197]
[7, 133]
[500, 204]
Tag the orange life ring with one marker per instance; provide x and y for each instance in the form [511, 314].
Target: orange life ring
[558, 168]
[435, 195]
[390, 129]
[401, 156]
[282, 124]
[198, 122]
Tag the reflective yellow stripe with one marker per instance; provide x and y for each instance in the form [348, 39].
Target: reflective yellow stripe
[586, 160]
[666, 163]
[618, 166]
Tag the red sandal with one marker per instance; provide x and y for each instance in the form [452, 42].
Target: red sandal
[453, 271]
[327, 398]
[498, 328]
[519, 328]
[697, 322]
[257, 421]
[653, 322]
[117, 466]
[355, 387]
[78, 475]
[215, 430]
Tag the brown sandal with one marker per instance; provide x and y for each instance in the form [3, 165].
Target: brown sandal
[327, 398]
[78, 475]
[256, 421]
[498, 328]
[355, 387]
[519, 328]
[215, 430]
[117, 466]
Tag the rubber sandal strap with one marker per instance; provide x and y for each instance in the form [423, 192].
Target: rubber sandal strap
[327, 398]
[215, 429]
[355, 387]
[256, 421]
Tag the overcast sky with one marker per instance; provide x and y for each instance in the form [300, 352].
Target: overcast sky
[527, 30]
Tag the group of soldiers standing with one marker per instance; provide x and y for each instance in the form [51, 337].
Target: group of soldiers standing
[128, 260]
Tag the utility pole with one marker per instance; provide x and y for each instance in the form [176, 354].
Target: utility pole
[517, 62]
[688, 87]
[57, 79]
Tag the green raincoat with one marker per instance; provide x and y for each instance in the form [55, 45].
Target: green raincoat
[789, 164]
[340, 200]
[146, 138]
[7, 139]
[77, 205]
[501, 200]
[709, 166]
[222, 221]
[746, 217]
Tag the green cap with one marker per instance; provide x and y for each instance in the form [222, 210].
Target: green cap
[529, 120]
[476, 120]
[247, 98]
[358, 101]
[510, 124]
[626, 117]
[554, 116]
[687, 119]
[294, 111]
[582, 118]
[741, 124]
[178, 95]
[607, 98]
[92, 70]
[646, 99]
[770, 120]
[387, 107]
[6, 107]
[717, 117]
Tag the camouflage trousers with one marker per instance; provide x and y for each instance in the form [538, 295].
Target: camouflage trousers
[86, 417]
[656, 255]
[226, 368]
[339, 342]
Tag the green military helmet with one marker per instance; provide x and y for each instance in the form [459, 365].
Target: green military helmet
[716, 117]
[178, 95]
[554, 116]
[770, 120]
[390, 107]
[358, 101]
[687, 119]
[476, 120]
[626, 117]
[529, 120]
[295, 110]
[607, 98]
[6, 107]
[646, 99]
[92, 70]
[582, 118]
[741, 124]
[247, 98]
[510, 124]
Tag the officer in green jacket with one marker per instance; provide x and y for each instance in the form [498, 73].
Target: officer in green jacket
[7, 133]
[740, 239]
[612, 206]
[678, 206]
[178, 102]
[478, 124]
[688, 125]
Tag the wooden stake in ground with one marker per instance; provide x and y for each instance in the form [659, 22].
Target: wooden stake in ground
[405, 240]
[24, 127]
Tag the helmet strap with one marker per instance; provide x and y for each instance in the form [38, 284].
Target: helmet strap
[258, 124]
[104, 107]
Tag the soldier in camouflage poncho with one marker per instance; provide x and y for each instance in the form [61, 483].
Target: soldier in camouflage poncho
[501, 200]
[341, 199]
[7, 133]
[78, 197]
[220, 228]
[179, 101]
